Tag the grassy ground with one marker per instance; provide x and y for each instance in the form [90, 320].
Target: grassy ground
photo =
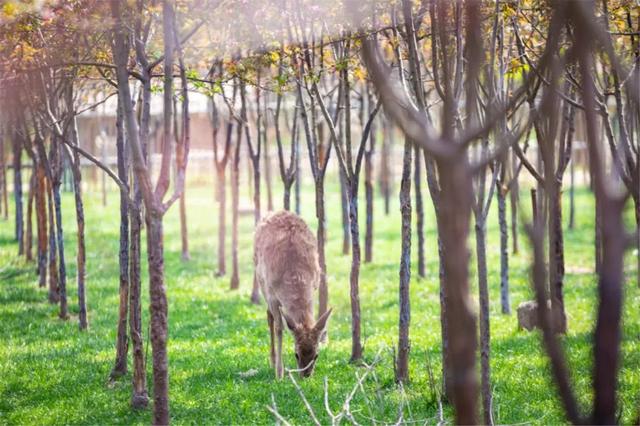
[218, 342]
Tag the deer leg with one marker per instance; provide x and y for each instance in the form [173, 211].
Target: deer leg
[279, 364]
[271, 335]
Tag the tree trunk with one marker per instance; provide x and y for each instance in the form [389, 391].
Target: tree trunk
[255, 291]
[54, 297]
[417, 180]
[17, 194]
[385, 168]
[298, 174]
[513, 198]
[267, 171]
[453, 219]
[323, 290]
[81, 255]
[3, 180]
[62, 284]
[184, 233]
[598, 236]
[235, 198]
[368, 186]
[41, 222]
[139, 396]
[485, 335]
[28, 237]
[158, 316]
[286, 197]
[344, 203]
[402, 362]
[122, 342]
[505, 302]
[572, 196]
[354, 276]
[556, 260]
[222, 219]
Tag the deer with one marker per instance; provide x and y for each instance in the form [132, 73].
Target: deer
[287, 270]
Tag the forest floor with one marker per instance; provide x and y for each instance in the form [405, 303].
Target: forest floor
[51, 373]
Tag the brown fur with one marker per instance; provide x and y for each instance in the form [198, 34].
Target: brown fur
[286, 265]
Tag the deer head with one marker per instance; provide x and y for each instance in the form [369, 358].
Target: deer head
[307, 340]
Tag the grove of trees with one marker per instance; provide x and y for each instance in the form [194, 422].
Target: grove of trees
[483, 99]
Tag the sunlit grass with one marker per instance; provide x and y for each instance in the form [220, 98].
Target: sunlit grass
[51, 373]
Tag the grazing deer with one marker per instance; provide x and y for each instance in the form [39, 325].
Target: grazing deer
[286, 265]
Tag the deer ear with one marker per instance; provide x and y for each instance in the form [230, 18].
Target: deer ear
[292, 326]
[321, 324]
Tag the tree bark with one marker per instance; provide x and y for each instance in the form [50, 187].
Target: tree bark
[222, 219]
[505, 302]
[54, 296]
[344, 204]
[321, 234]
[354, 276]
[28, 236]
[122, 342]
[385, 165]
[485, 335]
[235, 199]
[41, 222]
[402, 362]
[572, 195]
[81, 250]
[184, 233]
[556, 259]
[368, 186]
[417, 180]
[139, 396]
[3, 178]
[17, 193]
[158, 316]
[62, 284]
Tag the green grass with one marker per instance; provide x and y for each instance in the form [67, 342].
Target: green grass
[51, 373]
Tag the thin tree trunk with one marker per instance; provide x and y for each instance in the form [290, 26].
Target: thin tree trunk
[556, 259]
[267, 170]
[81, 251]
[485, 336]
[139, 396]
[158, 318]
[28, 237]
[184, 233]
[297, 182]
[572, 196]
[17, 194]
[368, 186]
[54, 296]
[514, 193]
[122, 342]
[344, 203]
[255, 291]
[385, 165]
[81, 255]
[323, 290]
[235, 199]
[402, 362]
[3, 179]
[62, 284]
[354, 276]
[222, 219]
[41, 221]
[417, 180]
[505, 302]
